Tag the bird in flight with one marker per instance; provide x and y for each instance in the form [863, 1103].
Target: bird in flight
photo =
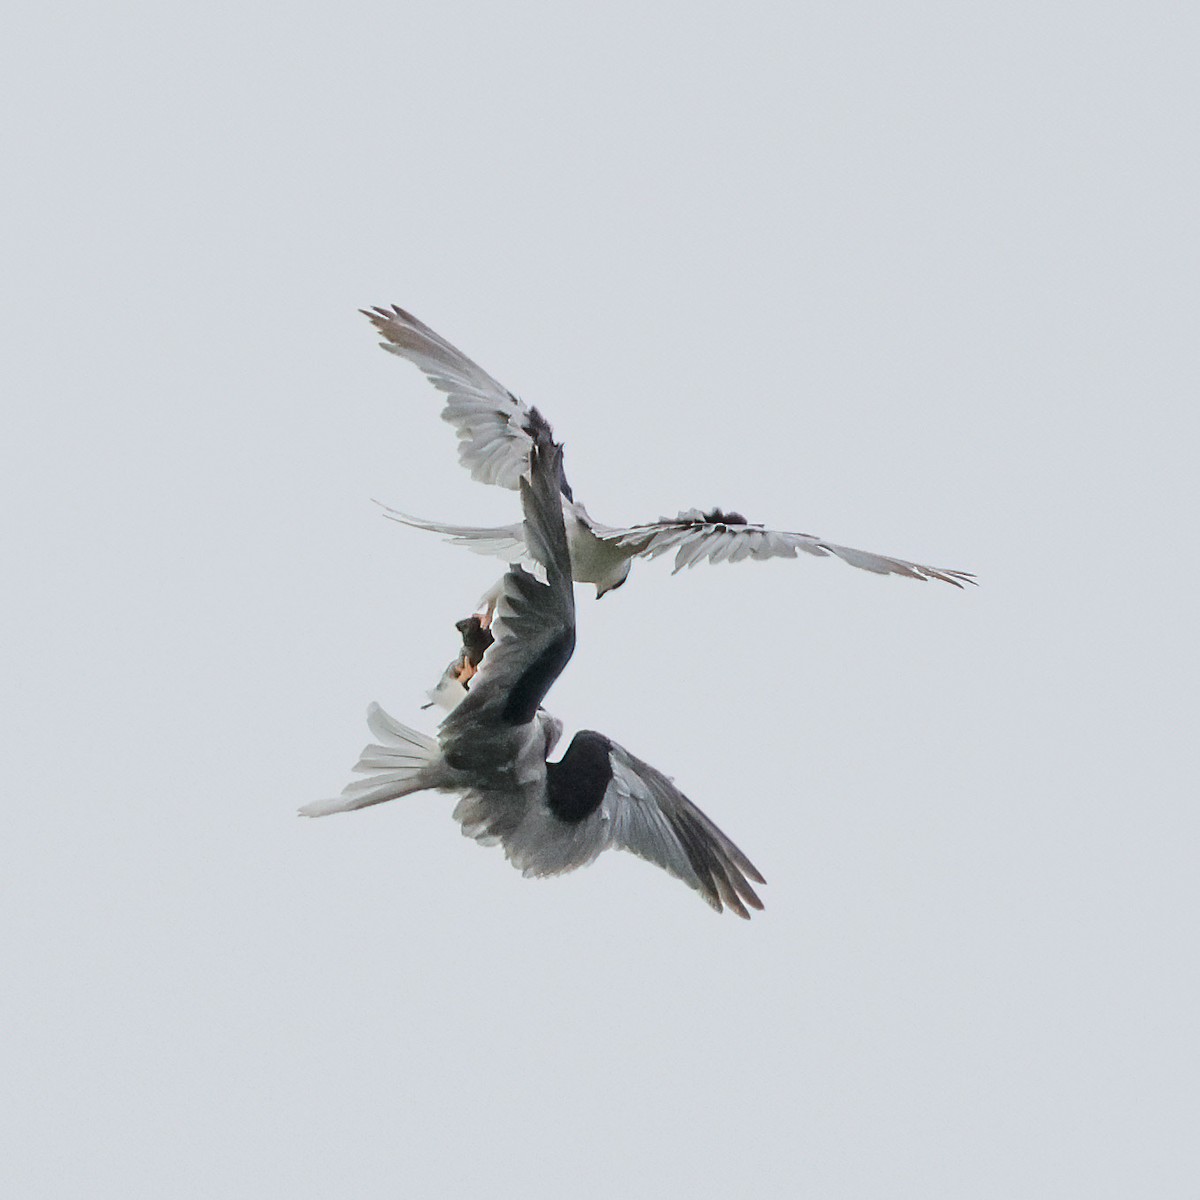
[497, 433]
[493, 748]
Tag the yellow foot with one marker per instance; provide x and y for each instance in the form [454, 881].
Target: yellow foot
[465, 671]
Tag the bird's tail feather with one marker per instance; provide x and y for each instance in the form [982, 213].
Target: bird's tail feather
[401, 762]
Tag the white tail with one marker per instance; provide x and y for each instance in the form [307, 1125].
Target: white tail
[403, 761]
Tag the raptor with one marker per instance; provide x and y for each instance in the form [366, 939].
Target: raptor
[493, 749]
[496, 434]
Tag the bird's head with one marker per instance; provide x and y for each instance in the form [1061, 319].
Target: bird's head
[614, 581]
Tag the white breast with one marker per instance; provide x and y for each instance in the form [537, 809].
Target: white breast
[592, 560]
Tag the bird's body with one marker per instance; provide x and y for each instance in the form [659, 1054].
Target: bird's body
[493, 747]
[599, 560]
[496, 433]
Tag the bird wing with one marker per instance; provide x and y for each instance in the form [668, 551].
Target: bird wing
[534, 624]
[646, 814]
[496, 430]
[499, 541]
[598, 797]
[717, 536]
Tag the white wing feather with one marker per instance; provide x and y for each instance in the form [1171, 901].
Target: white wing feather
[645, 813]
[717, 537]
[491, 423]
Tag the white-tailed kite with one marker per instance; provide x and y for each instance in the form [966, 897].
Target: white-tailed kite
[493, 747]
[496, 434]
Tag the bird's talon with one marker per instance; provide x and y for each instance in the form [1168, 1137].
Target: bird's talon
[465, 671]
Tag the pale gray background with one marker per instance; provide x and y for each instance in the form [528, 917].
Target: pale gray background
[920, 278]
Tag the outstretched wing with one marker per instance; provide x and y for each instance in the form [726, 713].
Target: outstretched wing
[650, 817]
[496, 431]
[534, 624]
[601, 796]
[717, 536]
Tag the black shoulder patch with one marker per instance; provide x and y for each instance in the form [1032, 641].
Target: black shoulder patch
[526, 695]
[575, 785]
[717, 517]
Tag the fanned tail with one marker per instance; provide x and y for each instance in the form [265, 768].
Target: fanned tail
[401, 762]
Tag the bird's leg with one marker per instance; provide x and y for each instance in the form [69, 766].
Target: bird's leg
[485, 613]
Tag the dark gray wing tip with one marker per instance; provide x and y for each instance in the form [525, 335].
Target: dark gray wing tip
[398, 328]
[538, 427]
[380, 315]
[954, 578]
[720, 866]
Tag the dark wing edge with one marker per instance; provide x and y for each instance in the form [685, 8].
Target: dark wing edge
[716, 537]
[649, 816]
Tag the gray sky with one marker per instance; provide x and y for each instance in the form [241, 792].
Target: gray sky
[918, 278]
